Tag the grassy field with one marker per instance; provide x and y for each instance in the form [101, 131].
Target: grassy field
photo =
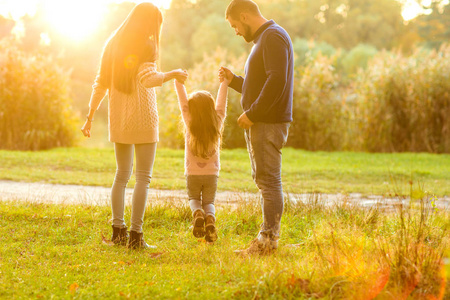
[339, 252]
[303, 171]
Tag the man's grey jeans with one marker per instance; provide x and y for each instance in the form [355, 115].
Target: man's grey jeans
[264, 144]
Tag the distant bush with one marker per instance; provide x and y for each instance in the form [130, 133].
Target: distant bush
[307, 51]
[397, 103]
[404, 102]
[170, 125]
[318, 112]
[35, 110]
[357, 58]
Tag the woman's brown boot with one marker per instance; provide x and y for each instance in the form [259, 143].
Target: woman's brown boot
[137, 241]
[119, 236]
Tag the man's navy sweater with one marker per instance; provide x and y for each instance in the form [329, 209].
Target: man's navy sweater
[267, 89]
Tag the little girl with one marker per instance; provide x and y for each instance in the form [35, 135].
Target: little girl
[203, 120]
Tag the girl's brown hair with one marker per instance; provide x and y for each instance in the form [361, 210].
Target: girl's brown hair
[204, 126]
[136, 41]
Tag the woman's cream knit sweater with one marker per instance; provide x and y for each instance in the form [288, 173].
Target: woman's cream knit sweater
[133, 118]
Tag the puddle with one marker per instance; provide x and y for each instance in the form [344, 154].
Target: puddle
[93, 195]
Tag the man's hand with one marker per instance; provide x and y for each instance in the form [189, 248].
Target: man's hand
[225, 75]
[244, 122]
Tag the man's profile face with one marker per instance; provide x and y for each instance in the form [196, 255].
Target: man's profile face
[241, 29]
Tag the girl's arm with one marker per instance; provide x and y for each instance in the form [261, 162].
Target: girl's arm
[178, 74]
[182, 100]
[221, 103]
[234, 82]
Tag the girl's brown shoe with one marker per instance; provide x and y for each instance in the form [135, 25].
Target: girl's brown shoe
[210, 229]
[199, 224]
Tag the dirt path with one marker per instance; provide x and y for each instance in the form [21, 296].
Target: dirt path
[92, 195]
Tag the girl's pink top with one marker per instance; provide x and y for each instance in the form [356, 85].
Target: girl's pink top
[194, 165]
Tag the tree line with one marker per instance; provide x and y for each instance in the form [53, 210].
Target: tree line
[365, 79]
[195, 28]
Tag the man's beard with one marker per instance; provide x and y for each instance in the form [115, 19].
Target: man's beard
[248, 36]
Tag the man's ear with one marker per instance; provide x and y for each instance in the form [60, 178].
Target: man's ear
[243, 17]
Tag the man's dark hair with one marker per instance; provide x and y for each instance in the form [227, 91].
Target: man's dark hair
[236, 7]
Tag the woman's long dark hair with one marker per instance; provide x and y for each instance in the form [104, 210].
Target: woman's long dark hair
[136, 41]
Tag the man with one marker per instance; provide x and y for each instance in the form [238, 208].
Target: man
[267, 92]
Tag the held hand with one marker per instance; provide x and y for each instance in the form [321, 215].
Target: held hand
[244, 122]
[180, 75]
[86, 129]
[225, 75]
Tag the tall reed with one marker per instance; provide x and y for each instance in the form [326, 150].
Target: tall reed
[35, 103]
[404, 102]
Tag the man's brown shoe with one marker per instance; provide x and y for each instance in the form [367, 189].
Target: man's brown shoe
[256, 248]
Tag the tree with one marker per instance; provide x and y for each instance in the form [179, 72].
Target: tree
[5, 26]
[341, 23]
[205, 41]
[434, 28]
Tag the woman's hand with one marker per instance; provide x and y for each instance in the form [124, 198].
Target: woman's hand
[86, 129]
[180, 75]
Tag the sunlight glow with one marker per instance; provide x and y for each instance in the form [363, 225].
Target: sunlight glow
[16, 9]
[75, 19]
[165, 4]
[410, 10]
[45, 39]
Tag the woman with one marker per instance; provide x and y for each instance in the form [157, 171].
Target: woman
[128, 74]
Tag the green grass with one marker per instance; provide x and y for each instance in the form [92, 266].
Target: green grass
[303, 171]
[342, 252]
